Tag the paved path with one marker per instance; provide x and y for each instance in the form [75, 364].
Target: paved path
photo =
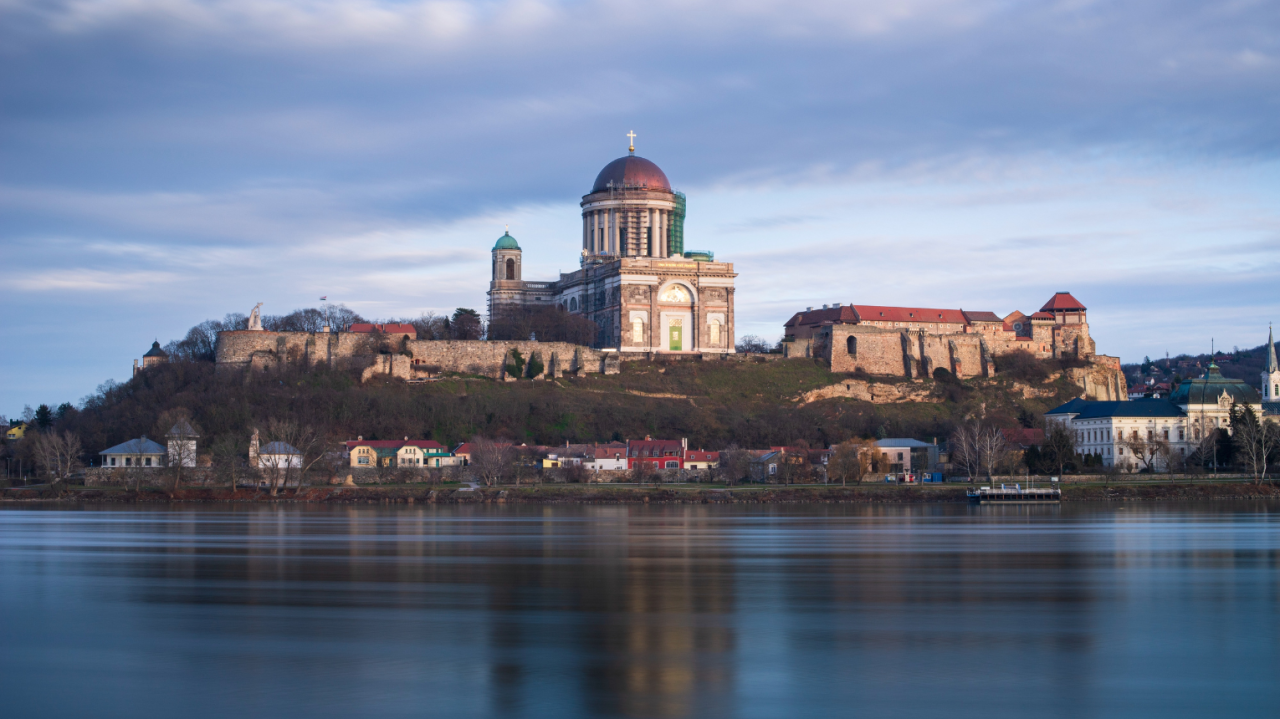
[471, 487]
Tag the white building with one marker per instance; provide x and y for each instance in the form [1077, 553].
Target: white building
[1196, 408]
[140, 452]
[182, 445]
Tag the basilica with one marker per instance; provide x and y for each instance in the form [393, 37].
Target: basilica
[636, 281]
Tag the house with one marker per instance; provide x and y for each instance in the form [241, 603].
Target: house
[764, 465]
[415, 453]
[608, 457]
[656, 453]
[462, 453]
[16, 432]
[140, 452]
[279, 455]
[181, 440]
[908, 456]
[701, 459]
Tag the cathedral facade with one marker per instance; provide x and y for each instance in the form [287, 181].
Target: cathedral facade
[635, 280]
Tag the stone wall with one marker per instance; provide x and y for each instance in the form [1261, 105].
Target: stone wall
[901, 353]
[400, 357]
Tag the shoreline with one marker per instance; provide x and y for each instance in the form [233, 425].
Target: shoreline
[595, 494]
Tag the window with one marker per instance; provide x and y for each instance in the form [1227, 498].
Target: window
[637, 332]
[573, 304]
[148, 461]
[715, 332]
[113, 461]
[851, 346]
[673, 465]
[511, 268]
[362, 459]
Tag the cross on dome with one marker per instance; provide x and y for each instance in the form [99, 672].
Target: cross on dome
[632, 145]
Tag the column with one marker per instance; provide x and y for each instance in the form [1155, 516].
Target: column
[662, 233]
[652, 229]
[614, 246]
[586, 231]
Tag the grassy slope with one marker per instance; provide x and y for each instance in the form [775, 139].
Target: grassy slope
[721, 402]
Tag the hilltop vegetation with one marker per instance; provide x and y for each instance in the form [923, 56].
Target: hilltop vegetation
[713, 404]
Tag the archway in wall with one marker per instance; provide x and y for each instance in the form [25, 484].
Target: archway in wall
[511, 268]
[675, 309]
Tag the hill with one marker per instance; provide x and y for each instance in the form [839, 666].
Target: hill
[713, 404]
[1242, 364]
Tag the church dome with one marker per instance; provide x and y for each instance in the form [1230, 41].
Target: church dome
[506, 242]
[631, 171]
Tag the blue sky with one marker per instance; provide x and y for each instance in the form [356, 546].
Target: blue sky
[163, 162]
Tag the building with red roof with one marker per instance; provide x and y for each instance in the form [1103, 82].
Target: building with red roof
[919, 341]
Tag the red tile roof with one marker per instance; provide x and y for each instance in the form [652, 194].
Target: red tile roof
[981, 316]
[391, 328]
[655, 448]
[1024, 436]
[1041, 315]
[876, 313]
[1062, 301]
[835, 315]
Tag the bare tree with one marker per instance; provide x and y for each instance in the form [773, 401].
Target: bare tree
[492, 460]
[994, 451]
[851, 460]
[58, 454]
[1256, 441]
[228, 464]
[1145, 450]
[965, 450]
[296, 448]
[1059, 446]
[175, 425]
[734, 464]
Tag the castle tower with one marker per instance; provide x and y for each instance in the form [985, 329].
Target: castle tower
[506, 287]
[631, 211]
[1271, 375]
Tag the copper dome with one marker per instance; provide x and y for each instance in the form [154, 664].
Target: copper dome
[631, 171]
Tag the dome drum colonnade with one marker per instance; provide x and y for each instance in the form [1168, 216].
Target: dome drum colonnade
[631, 211]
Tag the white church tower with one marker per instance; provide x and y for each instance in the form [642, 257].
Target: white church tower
[1271, 375]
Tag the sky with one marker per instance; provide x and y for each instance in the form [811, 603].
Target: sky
[163, 162]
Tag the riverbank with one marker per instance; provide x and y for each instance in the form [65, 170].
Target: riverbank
[597, 494]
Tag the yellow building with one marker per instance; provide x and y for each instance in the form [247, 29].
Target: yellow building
[17, 432]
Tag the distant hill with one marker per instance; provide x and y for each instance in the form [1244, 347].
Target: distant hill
[1242, 364]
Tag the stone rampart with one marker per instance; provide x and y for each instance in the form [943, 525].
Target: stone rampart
[402, 358]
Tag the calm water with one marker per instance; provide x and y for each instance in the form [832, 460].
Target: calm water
[941, 611]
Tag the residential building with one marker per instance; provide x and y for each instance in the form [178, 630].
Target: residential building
[908, 456]
[140, 452]
[701, 459]
[608, 457]
[16, 432]
[415, 453]
[181, 440]
[657, 453]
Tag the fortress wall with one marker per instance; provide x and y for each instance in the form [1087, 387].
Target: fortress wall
[967, 351]
[489, 357]
[878, 351]
[349, 350]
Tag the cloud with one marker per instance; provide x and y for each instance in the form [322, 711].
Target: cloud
[86, 280]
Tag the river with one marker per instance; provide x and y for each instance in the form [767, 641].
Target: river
[1087, 610]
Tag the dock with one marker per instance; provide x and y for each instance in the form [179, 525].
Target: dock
[1014, 495]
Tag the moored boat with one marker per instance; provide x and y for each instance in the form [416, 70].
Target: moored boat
[1014, 495]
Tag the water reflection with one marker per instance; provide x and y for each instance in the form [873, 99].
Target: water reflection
[687, 611]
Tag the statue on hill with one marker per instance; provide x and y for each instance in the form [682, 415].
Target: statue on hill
[255, 318]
